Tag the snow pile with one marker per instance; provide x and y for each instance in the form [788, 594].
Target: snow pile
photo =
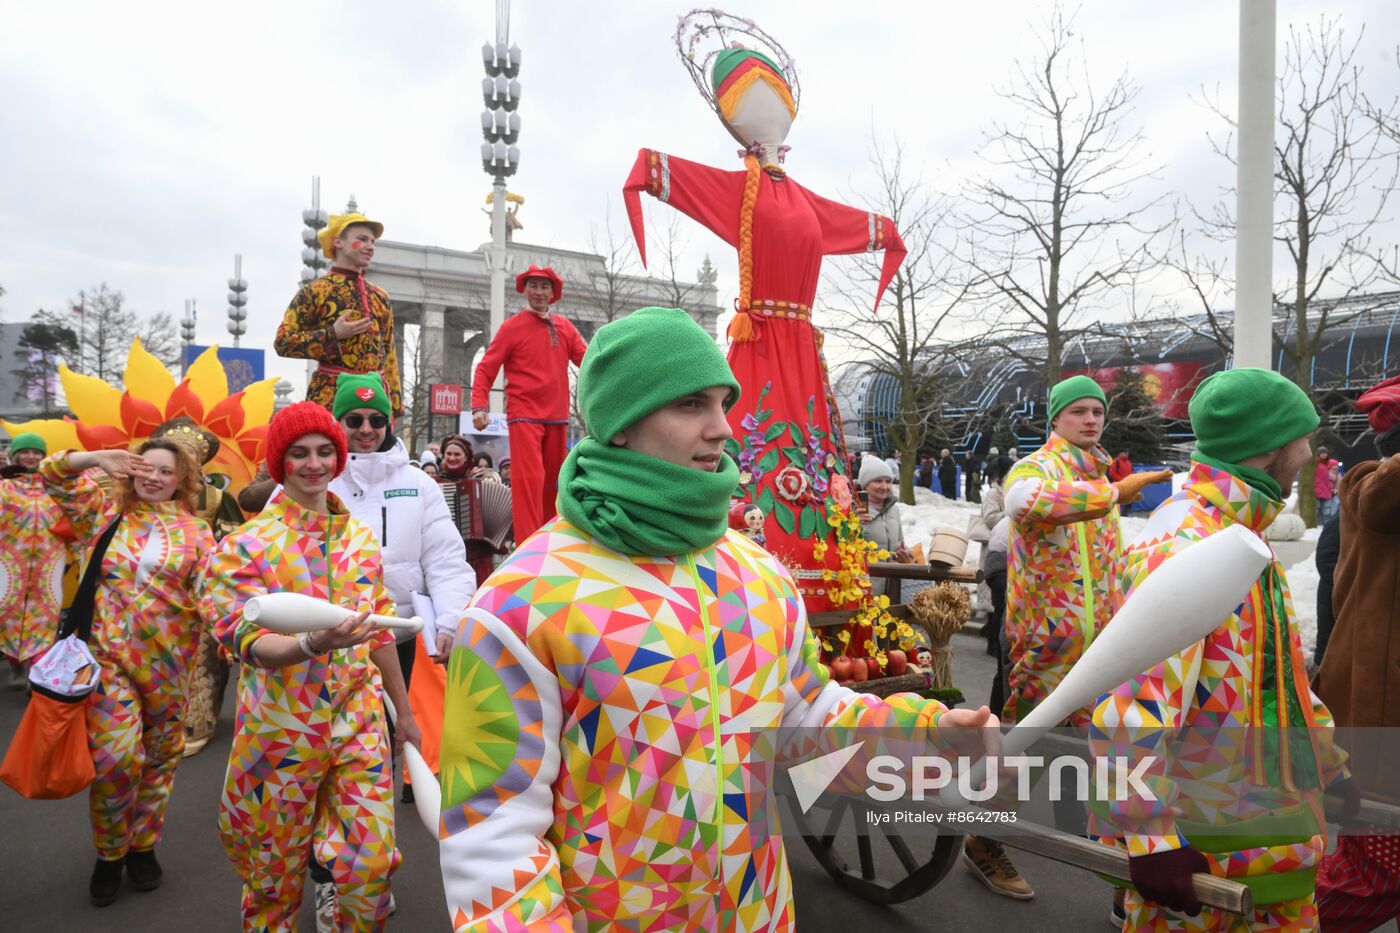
[1302, 585]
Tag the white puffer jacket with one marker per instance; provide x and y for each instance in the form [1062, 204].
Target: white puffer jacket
[422, 549]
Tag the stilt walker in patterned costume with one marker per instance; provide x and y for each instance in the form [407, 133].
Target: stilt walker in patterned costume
[36, 544]
[152, 550]
[342, 320]
[601, 769]
[535, 347]
[788, 441]
[1234, 747]
[309, 766]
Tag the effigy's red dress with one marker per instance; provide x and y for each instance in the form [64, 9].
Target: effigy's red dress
[787, 431]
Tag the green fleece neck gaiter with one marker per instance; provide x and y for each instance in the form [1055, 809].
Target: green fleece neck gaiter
[643, 506]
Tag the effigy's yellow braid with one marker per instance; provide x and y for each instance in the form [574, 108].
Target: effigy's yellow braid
[741, 329]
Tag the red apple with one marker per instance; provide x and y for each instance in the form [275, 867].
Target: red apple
[872, 666]
[860, 671]
[841, 668]
[896, 662]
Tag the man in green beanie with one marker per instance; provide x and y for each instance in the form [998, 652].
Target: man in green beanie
[1063, 562]
[599, 764]
[1252, 813]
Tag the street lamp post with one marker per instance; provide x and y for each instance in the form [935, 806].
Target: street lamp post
[1254, 186]
[187, 329]
[500, 157]
[237, 301]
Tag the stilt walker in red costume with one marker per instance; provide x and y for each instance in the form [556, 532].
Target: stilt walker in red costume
[536, 347]
[788, 439]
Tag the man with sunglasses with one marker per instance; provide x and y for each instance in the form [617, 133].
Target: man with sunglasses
[425, 567]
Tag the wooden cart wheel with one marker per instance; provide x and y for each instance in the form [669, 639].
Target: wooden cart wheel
[857, 853]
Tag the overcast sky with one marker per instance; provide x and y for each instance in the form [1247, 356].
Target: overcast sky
[144, 144]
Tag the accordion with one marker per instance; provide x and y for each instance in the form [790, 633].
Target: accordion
[480, 509]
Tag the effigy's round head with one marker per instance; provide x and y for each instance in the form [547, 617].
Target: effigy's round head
[745, 75]
[753, 97]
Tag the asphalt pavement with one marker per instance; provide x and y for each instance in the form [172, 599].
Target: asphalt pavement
[46, 857]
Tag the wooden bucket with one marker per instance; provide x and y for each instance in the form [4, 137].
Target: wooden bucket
[949, 547]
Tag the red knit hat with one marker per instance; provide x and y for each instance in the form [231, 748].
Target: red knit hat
[297, 421]
[1382, 405]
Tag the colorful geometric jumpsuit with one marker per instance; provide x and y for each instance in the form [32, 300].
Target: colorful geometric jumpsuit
[536, 352]
[36, 544]
[307, 332]
[1062, 567]
[1200, 714]
[144, 632]
[310, 763]
[602, 767]
[787, 431]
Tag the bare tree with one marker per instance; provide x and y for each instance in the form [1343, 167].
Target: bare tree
[1335, 170]
[671, 247]
[418, 375]
[106, 328]
[897, 340]
[45, 341]
[1055, 228]
[615, 284]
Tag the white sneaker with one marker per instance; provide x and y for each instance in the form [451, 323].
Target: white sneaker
[327, 908]
[393, 905]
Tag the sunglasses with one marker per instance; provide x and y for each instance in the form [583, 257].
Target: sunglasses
[353, 422]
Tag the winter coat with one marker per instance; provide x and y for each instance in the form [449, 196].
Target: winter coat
[1120, 468]
[607, 773]
[1323, 483]
[420, 546]
[1360, 677]
[1329, 547]
[36, 544]
[883, 529]
[1206, 696]
[1062, 574]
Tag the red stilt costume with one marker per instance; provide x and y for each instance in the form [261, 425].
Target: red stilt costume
[788, 438]
[536, 350]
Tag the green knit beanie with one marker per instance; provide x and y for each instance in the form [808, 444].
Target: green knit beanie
[367, 391]
[639, 363]
[1241, 413]
[1071, 390]
[28, 441]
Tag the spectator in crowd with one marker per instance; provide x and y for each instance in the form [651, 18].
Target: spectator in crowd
[1326, 477]
[879, 519]
[1329, 545]
[973, 479]
[924, 473]
[1121, 467]
[947, 474]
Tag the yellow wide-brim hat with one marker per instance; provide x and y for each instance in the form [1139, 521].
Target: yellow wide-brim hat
[336, 226]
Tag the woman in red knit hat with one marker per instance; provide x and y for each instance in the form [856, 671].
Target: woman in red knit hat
[324, 783]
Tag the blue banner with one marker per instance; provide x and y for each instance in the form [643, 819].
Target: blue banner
[243, 365]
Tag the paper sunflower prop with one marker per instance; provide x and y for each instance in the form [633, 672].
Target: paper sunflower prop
[110, 419]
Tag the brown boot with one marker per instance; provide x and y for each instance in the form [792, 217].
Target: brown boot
[988, 861]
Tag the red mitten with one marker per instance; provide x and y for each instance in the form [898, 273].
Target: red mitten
[1165, 877]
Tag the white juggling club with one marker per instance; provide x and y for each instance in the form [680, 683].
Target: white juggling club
[427, 792]
[294, 613]
[1181, 602]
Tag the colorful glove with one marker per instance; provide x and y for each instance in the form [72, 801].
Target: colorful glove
[1130, 487]
[1165, 877]
[1349, 793]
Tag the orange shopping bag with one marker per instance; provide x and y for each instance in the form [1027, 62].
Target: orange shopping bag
[49, 757]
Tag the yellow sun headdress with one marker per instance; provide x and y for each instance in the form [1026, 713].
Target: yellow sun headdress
[107, 418]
